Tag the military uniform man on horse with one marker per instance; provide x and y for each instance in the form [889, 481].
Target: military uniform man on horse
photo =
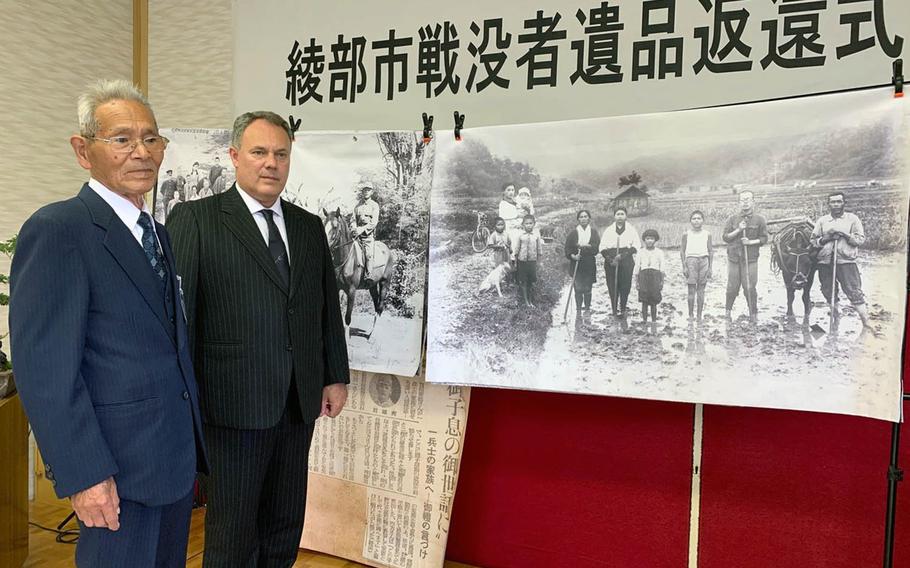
[363, 225]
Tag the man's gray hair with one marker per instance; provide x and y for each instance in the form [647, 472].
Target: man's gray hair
[102, 92]
[247, 118]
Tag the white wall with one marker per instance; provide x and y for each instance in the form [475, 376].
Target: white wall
[190, 61]
[51, 51]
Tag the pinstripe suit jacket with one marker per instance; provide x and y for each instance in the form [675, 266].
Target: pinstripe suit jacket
[250, 334]
[104, 372]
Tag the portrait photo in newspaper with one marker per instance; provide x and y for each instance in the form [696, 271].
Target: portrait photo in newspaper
[371, 191]
[196, 165]
[688, 256]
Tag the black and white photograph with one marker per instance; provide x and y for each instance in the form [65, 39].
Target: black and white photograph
[371, 190]
[196, 165]
[385, 390]
[751, 255]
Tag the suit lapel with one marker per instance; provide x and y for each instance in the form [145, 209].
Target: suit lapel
[298, 242]
[239, 221]
[122, 245]
[179, 308]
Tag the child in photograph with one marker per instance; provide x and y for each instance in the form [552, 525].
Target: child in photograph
[527, 253]
[649, 274]
[523, 201]
[502, 267]
[499, 242]
[697, 256]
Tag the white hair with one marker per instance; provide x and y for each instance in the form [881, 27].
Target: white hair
[102, 92]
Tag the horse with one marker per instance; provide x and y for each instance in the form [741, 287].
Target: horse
[793, 255]
[348, 259]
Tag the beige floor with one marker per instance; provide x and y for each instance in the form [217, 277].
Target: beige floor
[45, 552]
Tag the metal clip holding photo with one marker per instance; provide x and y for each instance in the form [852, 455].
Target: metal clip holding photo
[427, 127]
[459, 124]
[897, 78]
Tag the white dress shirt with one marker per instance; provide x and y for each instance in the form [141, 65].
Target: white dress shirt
[256, 210]
[125, 210]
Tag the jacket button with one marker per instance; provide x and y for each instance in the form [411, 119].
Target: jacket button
[291, 311]
[186, 395]
[288, 347]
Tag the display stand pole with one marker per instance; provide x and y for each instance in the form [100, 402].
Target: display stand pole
[895, 476]
[895, 473]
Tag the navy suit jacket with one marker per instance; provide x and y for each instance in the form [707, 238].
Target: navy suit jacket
[104, 373]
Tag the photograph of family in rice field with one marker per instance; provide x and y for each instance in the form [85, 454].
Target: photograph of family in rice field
[686, 256]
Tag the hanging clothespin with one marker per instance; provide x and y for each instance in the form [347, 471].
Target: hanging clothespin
[459, 124]
[898, 78]
[427, 127]
[295, 124]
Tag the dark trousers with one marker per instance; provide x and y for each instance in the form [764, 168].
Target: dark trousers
[148, 537]
[257, 493]
[736, 280]
[619, 298]
[848, 280]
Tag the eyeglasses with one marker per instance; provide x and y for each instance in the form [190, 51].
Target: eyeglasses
[123, 144]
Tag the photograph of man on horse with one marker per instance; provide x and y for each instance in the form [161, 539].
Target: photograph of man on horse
[363, 228]
[361, 261]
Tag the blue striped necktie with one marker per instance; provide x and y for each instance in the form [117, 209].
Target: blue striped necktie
[150, 246]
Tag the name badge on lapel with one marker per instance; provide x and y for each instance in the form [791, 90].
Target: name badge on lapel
[180, 293]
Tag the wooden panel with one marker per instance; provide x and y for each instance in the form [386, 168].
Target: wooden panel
[13, 483]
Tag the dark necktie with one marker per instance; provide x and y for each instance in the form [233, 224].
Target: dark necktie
[276, 248]
[150, 247]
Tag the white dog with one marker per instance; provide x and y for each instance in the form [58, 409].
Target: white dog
[495, 279]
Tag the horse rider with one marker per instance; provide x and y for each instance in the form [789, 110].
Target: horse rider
[363, 225]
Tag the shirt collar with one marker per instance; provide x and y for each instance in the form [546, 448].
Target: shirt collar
[255, 207]
[124, 209]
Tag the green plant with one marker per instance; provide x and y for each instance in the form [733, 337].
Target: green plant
[8, 248]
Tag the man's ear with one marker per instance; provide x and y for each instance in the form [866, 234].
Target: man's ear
[235, 155]
[80, 147]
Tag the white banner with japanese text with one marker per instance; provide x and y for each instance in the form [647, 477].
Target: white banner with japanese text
[357, 65]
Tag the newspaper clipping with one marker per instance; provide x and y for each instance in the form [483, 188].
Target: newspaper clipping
[383, 473]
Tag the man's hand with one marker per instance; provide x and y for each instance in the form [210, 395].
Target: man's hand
[743, 225]
[745, 241]
[99, 505]
[333, 399]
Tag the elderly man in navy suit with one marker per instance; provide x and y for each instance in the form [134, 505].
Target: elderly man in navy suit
[101, 349]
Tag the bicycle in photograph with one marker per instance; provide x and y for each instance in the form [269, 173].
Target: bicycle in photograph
[481, 233]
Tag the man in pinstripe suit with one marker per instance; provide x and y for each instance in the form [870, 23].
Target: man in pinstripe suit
[268, 345]
[101, 348]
